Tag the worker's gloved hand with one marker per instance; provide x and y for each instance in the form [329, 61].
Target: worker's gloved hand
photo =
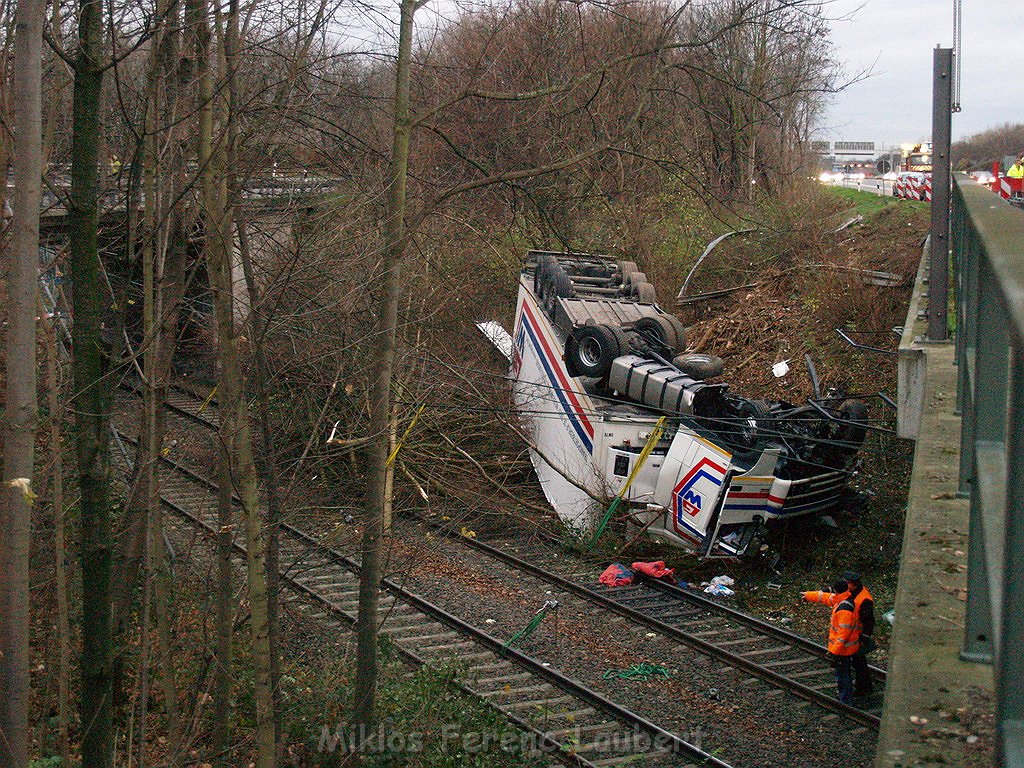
[867, 644]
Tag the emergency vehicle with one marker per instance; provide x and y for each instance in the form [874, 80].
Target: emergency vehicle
[915, 179]
[613, 407]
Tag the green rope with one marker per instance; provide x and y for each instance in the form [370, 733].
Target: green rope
[534, 623]
[652, 440]
[642, 671]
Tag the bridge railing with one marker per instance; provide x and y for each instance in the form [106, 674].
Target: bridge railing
[987, 240]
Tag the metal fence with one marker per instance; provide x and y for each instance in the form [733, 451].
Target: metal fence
[988, 256]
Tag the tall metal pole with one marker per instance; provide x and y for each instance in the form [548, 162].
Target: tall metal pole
[938, 271]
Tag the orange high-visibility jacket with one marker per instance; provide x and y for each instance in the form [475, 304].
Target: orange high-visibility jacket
[844, 632]
[858, 600]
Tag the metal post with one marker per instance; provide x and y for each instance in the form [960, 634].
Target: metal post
[938, 271]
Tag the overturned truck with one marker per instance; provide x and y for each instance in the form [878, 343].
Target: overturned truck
[595, 365]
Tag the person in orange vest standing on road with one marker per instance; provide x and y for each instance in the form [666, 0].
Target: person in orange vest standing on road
[843, 635]
[864, 609]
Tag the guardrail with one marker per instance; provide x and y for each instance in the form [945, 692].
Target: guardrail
[988, 256]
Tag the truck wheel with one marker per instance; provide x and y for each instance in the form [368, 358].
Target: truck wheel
[592, 348]
[680, 332]
[853, 434]
[644, 292]
[699, 366]
[755, 423]
[634, 277]
[544, 264]
[627, 268]
[557, 285]
[663, 331]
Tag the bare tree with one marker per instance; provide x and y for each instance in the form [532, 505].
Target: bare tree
[91, 401]
[21, 413]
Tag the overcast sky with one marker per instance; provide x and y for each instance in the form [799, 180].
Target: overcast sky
[894, 40]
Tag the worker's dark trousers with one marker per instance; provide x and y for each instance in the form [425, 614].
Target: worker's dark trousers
[843, 666]
[862, 677]
[862, 684]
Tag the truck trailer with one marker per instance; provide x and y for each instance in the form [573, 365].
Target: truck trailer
[607, 393]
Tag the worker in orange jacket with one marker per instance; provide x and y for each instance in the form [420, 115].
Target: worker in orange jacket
[843, 635]
[864, 609]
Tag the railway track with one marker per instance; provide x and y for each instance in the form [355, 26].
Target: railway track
[767, 652]
[572, 722]
[782, 658]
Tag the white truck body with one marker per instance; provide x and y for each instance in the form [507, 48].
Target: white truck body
[693, 491]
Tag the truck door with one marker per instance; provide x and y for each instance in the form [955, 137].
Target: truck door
[692, 480]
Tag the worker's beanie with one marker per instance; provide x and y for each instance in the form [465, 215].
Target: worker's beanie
[838, 586]
[852, 576]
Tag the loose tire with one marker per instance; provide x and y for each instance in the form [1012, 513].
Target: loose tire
[591, 349]
[699, 366]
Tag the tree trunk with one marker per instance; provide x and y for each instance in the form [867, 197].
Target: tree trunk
[59, 553]
[221, 756]
[21, 413]
[257, 330]
[364, 697]
[91, 406]
[234, 411]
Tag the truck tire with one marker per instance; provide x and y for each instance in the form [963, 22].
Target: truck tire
[680, 332]
[557, 284]
[633, 278]
[627, 268]
[756, 427]
[544, 264]
[699, 366]
[591, 349]
[663, 331]
[644, 292]
[853, 434]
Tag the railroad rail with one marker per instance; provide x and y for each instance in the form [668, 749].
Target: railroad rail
[576, 724]
[765, 651]
[730, 636]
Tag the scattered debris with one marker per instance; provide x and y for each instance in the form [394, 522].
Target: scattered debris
[780, 369]
[655, 570]
[549, 605]
[916, 720]
[719, 586]
[827, 521]
[617, 575]
[642, 672]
